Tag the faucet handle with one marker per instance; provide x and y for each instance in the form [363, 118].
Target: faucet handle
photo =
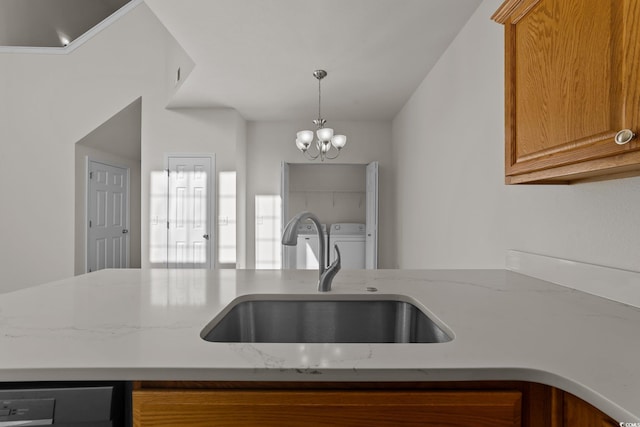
[337, 261]
[324, 284]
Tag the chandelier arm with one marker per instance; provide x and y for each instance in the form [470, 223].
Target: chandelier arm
[309, 156]
[326, 155]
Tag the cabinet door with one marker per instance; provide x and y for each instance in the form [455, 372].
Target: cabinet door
[572, 82]
[267, 408]
[578, 413]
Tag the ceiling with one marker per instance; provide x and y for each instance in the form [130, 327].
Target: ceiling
[258, 56]
[50, 23]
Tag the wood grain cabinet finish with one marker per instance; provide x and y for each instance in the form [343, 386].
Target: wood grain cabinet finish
[282, 408]
[578, 413]
[461, 403]
[572, 81]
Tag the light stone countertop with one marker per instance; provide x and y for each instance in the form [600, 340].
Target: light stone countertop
[146, 324]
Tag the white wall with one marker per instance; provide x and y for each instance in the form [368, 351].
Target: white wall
[454, 210]
[49, 102]
[269, 143]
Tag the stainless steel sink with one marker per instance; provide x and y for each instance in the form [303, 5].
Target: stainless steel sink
[311, 320]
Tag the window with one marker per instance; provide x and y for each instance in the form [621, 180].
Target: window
[268, 232]
[227, 217]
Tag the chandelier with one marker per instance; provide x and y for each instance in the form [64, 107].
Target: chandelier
[326, 139]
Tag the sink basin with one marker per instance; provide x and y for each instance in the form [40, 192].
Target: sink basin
[312, 320]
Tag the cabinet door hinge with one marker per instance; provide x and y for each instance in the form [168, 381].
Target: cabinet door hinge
[90, 175]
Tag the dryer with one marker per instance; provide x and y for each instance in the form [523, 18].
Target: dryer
[351, 240]
[306, 251]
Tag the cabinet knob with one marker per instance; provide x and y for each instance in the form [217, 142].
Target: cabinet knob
[624, 136]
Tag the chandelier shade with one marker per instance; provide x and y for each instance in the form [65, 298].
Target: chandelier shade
[324, 134]
[339, 141]
[305, 137]
[327, 143]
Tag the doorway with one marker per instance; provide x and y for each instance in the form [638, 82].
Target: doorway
[336, 193]
[107, 216]
[191, 238]
[116, 142]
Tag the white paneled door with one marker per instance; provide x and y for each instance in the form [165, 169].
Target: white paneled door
[108, 217]
[189, 212]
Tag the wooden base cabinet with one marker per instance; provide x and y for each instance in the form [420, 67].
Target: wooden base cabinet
[271, 404]
[329, 408]
[578, 413]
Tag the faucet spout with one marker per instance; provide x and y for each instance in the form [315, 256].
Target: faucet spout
[290, 238]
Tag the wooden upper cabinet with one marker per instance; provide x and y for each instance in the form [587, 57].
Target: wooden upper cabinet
[572, 81]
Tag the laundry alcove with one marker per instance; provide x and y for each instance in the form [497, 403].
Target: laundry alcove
[337, 194]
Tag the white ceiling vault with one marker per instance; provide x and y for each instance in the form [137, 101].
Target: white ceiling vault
[258, 56]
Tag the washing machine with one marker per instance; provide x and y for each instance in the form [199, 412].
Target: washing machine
[307, 250]
[351, 240]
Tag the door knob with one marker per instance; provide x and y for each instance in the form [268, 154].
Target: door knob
[624, 136]
[125, 231]
[205, 236]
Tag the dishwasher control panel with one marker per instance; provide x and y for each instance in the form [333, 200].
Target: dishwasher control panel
[63, 404]
[27, 412]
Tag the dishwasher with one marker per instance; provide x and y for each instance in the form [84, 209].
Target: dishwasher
[64, 404]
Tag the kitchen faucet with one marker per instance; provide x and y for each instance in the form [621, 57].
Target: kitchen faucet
[290, 238]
